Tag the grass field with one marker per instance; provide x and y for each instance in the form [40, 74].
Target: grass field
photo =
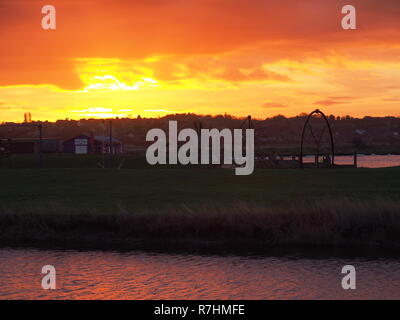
[113, 208]
[104, 189]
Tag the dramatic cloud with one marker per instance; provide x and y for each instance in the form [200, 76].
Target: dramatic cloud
[272, 105]
[393, 100]
[327, 102]
[154, 54]
[136, 29]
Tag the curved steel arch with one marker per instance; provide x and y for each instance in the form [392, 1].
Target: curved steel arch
[317, 111]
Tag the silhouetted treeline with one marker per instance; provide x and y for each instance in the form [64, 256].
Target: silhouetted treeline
[274, 132]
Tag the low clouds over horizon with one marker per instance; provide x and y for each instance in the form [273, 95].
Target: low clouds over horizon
[203, 56]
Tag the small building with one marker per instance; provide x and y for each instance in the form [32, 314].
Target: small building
[29, 145]
[84, 144]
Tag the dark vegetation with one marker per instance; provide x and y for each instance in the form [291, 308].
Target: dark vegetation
[280, 135]
[75, 202]
[111, 208]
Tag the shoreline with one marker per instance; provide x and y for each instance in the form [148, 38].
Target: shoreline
[213, 248]
[352, 226]
[202, 209]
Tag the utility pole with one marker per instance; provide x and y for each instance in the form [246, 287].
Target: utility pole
[111, 140]
[40, 147]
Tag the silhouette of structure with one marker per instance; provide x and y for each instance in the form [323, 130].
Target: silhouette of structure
[249, 122]
[38, 149]
[329, 160]
[27, 117]
[98, 144]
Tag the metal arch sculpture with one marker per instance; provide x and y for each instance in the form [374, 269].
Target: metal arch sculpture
[317, 111]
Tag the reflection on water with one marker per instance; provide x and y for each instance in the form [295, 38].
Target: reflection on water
[365, 161]
[371, 161]
[136, 275]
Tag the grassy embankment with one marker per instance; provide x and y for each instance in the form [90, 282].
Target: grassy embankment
[128, 208]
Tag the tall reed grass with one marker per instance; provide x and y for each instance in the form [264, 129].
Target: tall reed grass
[368, 223]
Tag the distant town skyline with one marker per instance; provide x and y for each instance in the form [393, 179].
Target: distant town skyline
[153, 58]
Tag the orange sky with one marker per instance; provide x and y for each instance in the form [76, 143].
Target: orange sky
[152, 57]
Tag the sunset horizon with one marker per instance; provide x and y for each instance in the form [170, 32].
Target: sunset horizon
[199, 158]
[153, 58]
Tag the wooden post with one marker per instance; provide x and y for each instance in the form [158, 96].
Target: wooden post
[111, 142]
[355, 159]
[40, 147]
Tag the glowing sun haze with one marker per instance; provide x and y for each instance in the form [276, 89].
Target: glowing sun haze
[153, 57]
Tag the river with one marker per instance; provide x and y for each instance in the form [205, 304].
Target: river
[366, 161]
[140, 275]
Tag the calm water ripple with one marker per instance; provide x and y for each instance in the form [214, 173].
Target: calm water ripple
[136, 275]
[366, 161]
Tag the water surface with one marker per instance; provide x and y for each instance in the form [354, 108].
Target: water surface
[366, 161]
[138, 275]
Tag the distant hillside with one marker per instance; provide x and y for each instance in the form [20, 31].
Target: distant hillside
[277, 134]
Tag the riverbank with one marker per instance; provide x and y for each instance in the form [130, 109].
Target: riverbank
[202, 208]
[346, 224]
